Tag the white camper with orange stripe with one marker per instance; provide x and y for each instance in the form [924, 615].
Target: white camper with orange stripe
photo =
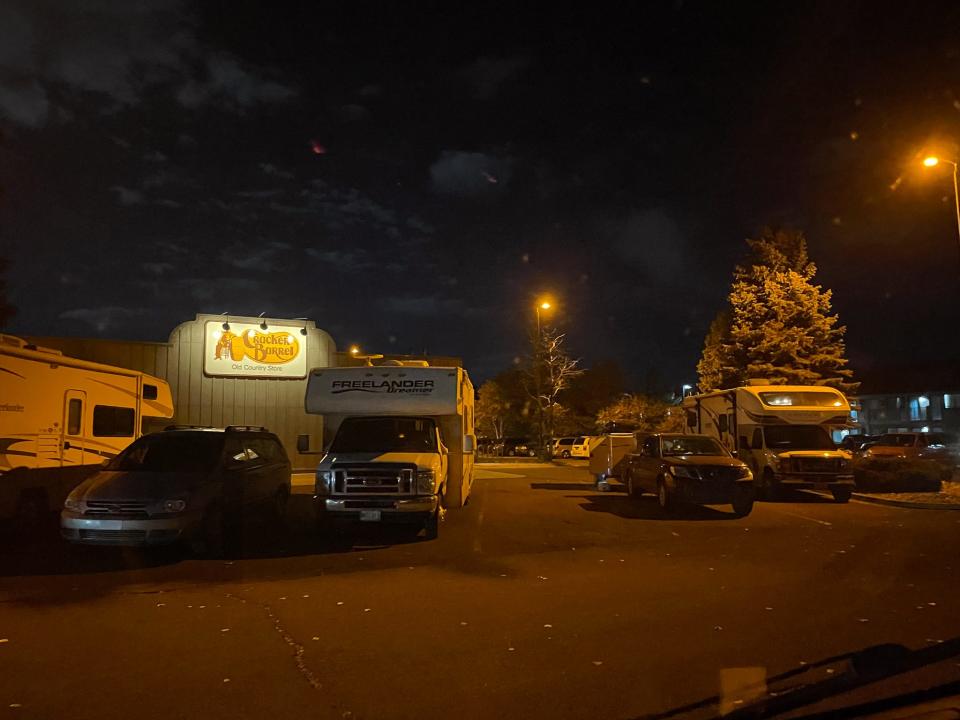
[61, 418]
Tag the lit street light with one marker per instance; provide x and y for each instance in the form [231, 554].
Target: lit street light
[354, 349]
[932, 161]
[544, 305]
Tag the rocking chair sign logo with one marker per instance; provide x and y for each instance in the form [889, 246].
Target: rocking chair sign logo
[246, 350]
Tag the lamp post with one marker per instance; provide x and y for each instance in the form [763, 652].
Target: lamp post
[933, 161]
[537, 351]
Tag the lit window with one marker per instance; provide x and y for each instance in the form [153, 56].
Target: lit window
[924, 401]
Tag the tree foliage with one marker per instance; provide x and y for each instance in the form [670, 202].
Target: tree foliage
[492, 409]
[643, 413]
[549, 373]
[779, 324]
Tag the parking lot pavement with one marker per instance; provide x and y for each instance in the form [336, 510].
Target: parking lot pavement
[542, 598]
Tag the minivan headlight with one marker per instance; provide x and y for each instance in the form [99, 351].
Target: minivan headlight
[174, 506]
[426, 481]
[72, 503]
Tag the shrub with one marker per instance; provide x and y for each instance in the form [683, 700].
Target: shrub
[897, 475]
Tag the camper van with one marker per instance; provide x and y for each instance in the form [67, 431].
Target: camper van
[783, 432]
[403, 443]
[61, 418]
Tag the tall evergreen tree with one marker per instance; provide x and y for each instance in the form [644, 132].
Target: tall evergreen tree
[780, 325]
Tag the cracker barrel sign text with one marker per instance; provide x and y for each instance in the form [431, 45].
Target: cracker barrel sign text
[246, 350]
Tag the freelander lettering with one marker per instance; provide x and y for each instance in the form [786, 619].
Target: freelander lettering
[406, 387]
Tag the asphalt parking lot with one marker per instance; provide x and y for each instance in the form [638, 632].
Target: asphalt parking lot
[543, 598]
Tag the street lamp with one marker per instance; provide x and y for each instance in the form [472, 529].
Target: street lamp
[932, 161]
[684, 389]
[544, 305]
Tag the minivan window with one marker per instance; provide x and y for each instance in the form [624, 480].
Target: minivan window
[171, 452]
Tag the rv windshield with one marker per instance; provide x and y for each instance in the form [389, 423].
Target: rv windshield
[385, 434]
[196, 452]
[798, 437]
[806, 398]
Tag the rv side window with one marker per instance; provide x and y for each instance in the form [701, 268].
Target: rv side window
[74, 415]
[110, 421]
[149, 392]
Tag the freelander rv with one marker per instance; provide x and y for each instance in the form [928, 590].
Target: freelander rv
[403, 445]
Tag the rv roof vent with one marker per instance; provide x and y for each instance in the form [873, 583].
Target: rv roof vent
[391, 363]
[759, 381]
[415, 363]
[11, 340]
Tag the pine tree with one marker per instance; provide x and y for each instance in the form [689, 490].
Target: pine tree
[780, 323]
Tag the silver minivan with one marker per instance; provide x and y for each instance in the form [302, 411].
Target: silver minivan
[186, 483]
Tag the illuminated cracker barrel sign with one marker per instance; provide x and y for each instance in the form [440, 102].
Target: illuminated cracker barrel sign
[246, 350]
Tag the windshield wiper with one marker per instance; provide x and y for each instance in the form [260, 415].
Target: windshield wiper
[866, 666]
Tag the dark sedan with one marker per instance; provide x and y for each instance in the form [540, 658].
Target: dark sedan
[689, 468]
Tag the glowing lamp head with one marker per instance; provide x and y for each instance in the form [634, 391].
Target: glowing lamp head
[354, 350]
[931, 161]
[545, 305]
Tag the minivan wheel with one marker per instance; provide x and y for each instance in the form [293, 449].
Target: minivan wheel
[565, 454]
[211, 538]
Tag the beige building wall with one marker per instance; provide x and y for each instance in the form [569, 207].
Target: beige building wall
[199, 399]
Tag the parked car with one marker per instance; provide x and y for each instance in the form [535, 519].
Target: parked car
[519, 447]
[689, 468]
[582, 446]
[187, 484]
[926, 446]
[857, 443]
[562, 447]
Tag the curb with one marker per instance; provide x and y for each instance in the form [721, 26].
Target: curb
[904, 503]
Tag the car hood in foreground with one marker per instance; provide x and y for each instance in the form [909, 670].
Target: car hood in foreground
[717, 460]
[143, 486]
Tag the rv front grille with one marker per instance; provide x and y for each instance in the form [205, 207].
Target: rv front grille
[814, 465]
[367, 480]
[116, 508]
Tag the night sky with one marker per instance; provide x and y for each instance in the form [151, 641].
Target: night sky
[412, 175]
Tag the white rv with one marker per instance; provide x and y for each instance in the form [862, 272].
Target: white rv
[60, 418]
[783, 432]
[403, 449]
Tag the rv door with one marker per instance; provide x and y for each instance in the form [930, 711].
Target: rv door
[74, 412]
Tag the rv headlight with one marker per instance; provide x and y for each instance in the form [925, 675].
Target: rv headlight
[72, 503]
[685, 472]
[174, 506]
[324, 482]
[426, 481]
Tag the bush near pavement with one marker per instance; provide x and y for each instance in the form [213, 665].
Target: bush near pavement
[899, 475]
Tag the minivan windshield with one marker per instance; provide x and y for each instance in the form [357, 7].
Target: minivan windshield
[798, 437]
[385, 434]
[195, 452]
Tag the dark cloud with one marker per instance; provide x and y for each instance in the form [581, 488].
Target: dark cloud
[467, 174]
[652, 241]
[128, 196]
[104, 319]
[488, 73]
[115, 51]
